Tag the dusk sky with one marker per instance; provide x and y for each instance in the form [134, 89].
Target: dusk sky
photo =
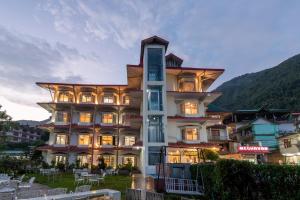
[92, 41]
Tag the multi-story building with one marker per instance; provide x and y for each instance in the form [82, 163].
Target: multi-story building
[260, 127]
[163, 104]
[21, 134]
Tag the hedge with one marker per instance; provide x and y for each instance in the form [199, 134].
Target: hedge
[242, 180]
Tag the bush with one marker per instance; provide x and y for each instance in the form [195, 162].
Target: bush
[13, 165]
[231, 179]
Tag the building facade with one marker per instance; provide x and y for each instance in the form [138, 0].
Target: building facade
[163, 105]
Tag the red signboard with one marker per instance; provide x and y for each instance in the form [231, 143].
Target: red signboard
[253, 149]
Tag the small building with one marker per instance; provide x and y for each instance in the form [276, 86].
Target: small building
[260, 128]
[289, 145]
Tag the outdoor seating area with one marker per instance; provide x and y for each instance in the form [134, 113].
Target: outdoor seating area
[84, 177]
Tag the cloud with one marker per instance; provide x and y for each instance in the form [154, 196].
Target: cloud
[25, 60]
[124, 22]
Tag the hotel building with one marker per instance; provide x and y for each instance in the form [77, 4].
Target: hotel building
[163, 104]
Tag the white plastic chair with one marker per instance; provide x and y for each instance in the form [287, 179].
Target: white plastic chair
[30, 194]
[78, 179]
[27, 185]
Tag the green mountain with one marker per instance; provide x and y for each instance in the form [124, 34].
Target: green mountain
[277, 87]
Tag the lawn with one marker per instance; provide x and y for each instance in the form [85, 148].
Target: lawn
[66, 180]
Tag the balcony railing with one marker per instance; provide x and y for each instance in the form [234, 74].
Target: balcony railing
[217, 138]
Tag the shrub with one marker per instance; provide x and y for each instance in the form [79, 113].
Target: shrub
[242, 180]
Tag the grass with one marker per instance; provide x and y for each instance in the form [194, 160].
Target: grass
[66, 180]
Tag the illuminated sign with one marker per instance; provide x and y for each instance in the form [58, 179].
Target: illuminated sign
[253, 149]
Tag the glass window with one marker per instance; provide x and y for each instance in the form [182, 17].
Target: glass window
[107, 118]
[128, 159]
[191, 134]
[190, 108]
[84, 159]
[155, 64]
[154, 155]
[109, 160]
[287, 143]
[87, 98]
[85, 117]
[188, 86]
[60, 159]
[106, 140]
[155, 129]
[84, 140]
[154, 98]
[129, 140]
[126, 100]
[174, 157]
[65, 97]
[61, 139]
[108, 99]
[62, 117]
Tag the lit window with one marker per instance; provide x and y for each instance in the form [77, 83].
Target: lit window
[108, 99]
[109, 161]
[126, 100]
[65, 97]
[188, 86]
[174, 157]
[61, 139]
[129, 140]
[84, 140]
[190, 108]
[191, 134]
[59, 159]
[107, 118]
[106, 140]
[128, 160]
[84, 159]
[85, 117]
[287, 143]
[87, 98]
[62, 117]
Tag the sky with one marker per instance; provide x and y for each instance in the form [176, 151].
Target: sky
[91, 41]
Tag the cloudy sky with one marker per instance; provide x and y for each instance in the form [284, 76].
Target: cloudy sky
[92, 41]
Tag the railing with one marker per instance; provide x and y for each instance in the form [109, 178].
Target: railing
[182, 186]
[217, 138]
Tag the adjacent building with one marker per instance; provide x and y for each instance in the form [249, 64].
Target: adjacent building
[163, 104]
[21, 134]
[260, 128]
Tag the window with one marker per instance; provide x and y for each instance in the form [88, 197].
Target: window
[188, 86]
[87, 98]
[84, 140]
[190, 108]
[65, 97]
[190, 134]
[154, 98]
[287, 143]
[61, 139]
[84, 159]
[106, 140]
[128, 159]
[215, 133]
[126, 100]
[129, 140]
[108, 99]
[107, 118]
[62, 117]
[109, 160]
[154, 155]
[155, 129]
[174, 157]
[59, 159]
[155, 64]
[85, 117]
